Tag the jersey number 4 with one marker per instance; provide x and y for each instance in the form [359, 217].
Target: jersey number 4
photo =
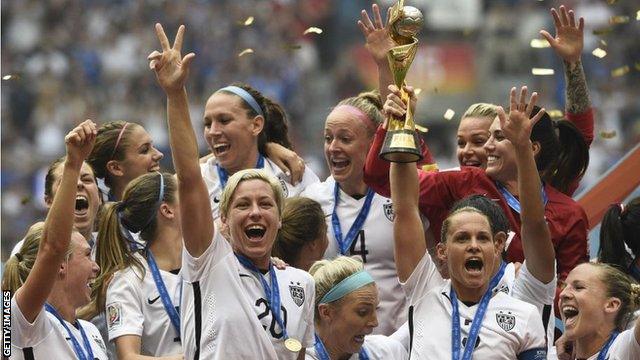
[267, 310]
[358, 246]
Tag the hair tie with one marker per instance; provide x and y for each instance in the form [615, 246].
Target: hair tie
[118, 140]
[348, 285]
[246, 96]
[18, 256]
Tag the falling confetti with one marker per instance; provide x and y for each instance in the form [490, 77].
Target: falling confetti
[611, 2]
[638, 15]
[599, 53]
[539, 43]
[417, 91]
[312, 29]
[248, 21]
[542, 71]
[292, 46]
[603, 43]
[555, 114]
[602, 31]
[7, 77]
[620, 71]
[637, 66]
[448, 115]
[245, 52]
[619, 19]
[608, 134]
[421, 129]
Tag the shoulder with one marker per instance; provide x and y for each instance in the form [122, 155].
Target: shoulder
[321, 192]
[384, 347]
[295, 274]
[132, 273]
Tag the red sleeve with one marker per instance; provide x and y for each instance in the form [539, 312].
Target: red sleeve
[584, 123]
[376, 170]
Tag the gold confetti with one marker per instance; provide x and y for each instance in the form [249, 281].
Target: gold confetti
[611, 2]
[417, 91]
[292, 46]
[599, 53]
[555, 114]
[608, 134]
[638, 15]
[248, 21]
[619, 19]
[539, 43]
[312, 29]
[603, 43]
[620, 71]
[637, 66]
[7, 77]
[542, 71]
[245, 52]
[602, 31]
[448, 115]
[421, 129]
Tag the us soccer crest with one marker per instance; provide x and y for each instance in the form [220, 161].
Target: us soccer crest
[506, 321]
[297, 293]
[388, 211]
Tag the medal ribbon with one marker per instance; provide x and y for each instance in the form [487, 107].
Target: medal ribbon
[223, 175]
[513, 202]
[321, 351]
[272, 292]
[76, 345]
[164, 294]
[345, 243]
[477, 319]
[605, 349]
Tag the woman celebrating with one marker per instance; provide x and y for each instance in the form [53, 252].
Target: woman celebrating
[43, 320]
[361, 220]
[235, 303]
[346, 302]
[596, 306]
[467, 303]
[620, 237]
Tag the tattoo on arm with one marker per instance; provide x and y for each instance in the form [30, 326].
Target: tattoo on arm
[577, 92]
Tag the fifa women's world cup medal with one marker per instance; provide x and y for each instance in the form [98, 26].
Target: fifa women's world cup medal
[401, 143]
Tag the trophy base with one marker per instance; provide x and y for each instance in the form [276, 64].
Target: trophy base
[402, 146]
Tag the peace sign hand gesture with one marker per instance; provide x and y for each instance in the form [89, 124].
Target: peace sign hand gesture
[170, 67]
[517, 126]
[376, 34]
[569, 39]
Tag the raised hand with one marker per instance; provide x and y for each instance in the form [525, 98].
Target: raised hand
[377, 36]
[569, 39]
[394, 106]
[79, 142]
[170, 67]
[517, 126]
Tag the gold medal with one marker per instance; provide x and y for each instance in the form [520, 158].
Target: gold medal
[293, 345]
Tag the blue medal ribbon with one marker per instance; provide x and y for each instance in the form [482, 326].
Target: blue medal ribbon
[76, 345]
[345, 243]
[272, 292]
[477, 319]
[321, 351]
[513, 202]
[605, 349]
[164, 294]
[223, 175]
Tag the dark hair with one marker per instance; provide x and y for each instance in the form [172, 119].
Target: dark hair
[302, 222]
[563, 158]
[619, 228]
[105, 148]
[497, 219]
[276, 128]
[50, 178]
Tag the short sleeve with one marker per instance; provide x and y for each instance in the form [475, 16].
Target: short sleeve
[123, 307]
[309, 313]
[529, 289]
[534, 346]
[25, 334]
[196, 269]
[625, 346]
[424, 277]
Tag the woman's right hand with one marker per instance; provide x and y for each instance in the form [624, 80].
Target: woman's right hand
[170, 67]
[79, 142]
[394, 106]
[377, 36]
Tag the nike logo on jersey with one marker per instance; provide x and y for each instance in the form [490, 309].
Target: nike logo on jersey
[216, 199]
[154, 300]
[245, 275]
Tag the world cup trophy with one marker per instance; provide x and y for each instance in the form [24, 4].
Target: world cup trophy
[401, 144]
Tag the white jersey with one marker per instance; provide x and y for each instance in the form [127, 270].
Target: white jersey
[510, 328]
[378, 347]
[134, 307]
[92, 243]
[46, 338]
[209, 172]
[223, 310]
[624, 347]
[373, 245]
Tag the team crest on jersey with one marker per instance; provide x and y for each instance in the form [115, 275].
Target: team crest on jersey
[114, 315]
[388, 211]
[285, 190]
[506, 321]
[297, 293]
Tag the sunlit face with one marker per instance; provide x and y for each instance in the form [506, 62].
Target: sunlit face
[473, 133]
[81, 271]
[501, 163]
[470, 250]
[229, 131]
[140, 157]
[350, 319]
[583, 302]
[88, 198]
[253, 219]
[346, 144]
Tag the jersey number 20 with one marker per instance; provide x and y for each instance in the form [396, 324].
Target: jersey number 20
[272, 328]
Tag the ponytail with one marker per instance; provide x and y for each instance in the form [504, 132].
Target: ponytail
[612, 250]
[18, 267]
[572, 159]
[621, 286]
[302, 223]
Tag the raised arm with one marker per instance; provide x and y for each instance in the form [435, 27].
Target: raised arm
[536, 238]
[378, 43]
[171, 72]
[58, 226]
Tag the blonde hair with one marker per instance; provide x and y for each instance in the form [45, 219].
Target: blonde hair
[245, 175]
[18, 267]
[369, 103]
[619, 285]
[481, 110]
[328, 273]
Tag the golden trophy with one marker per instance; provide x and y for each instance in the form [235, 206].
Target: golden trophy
[401, 144]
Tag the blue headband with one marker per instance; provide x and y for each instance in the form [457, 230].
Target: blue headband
[244, 94]
[346, 286]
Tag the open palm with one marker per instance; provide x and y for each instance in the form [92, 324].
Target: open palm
[569, 40]
[377, 36]
[518, 124]
[170, 67]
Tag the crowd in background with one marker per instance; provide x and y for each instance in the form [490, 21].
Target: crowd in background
[67, 60]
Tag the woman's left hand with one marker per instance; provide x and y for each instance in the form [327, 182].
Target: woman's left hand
[518, 124]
